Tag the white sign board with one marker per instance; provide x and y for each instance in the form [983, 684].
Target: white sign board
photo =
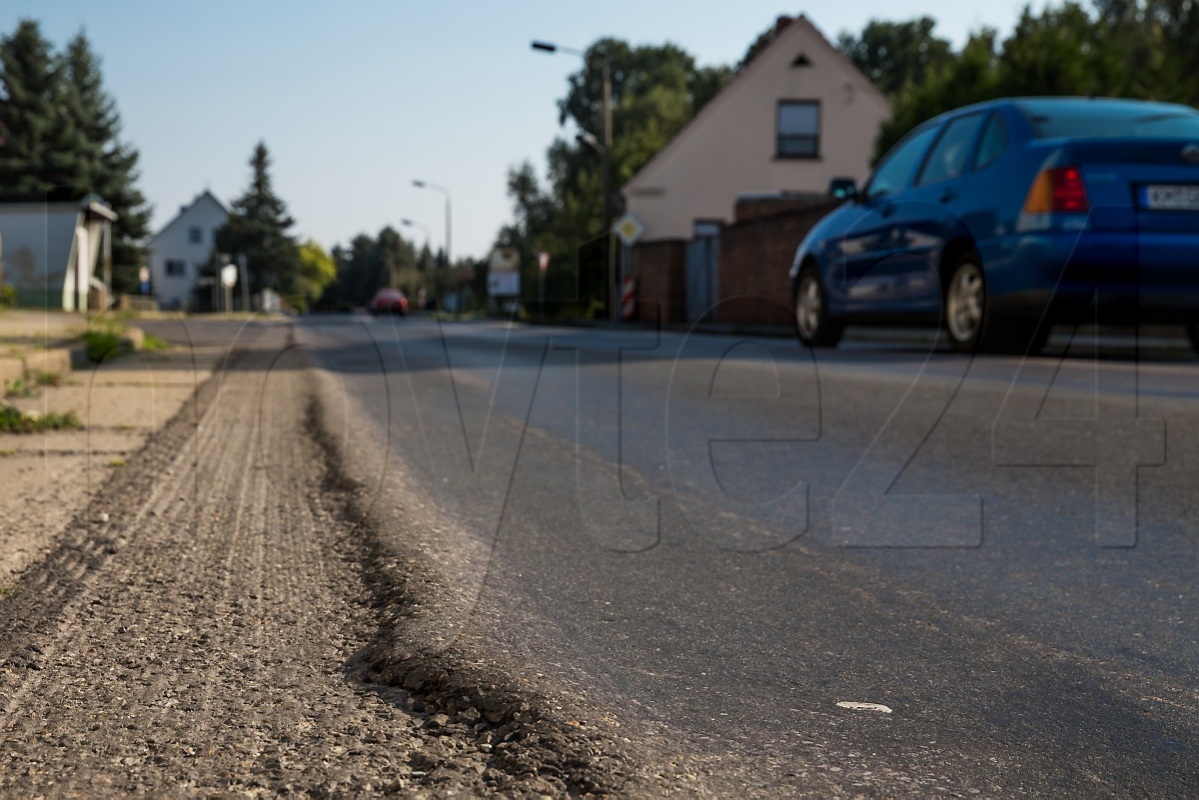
[229, 276]
[503, 284]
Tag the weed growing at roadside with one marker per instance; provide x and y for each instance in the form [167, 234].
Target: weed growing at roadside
[6, 592]
[103, 346]
[14, 420]
[153, 343]
[5, 453]
[116, 463]
[43, 378]
[17, 387]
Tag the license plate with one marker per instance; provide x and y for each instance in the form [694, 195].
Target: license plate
[1172, 198]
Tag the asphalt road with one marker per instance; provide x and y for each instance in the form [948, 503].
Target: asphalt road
[717, 540]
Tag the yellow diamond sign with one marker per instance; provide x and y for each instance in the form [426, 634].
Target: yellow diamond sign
[629, 229]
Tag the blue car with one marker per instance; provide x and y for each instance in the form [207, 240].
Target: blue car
[1001, 219]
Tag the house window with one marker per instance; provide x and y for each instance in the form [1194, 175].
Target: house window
[176, 269]
[195, 235]
[798, 129]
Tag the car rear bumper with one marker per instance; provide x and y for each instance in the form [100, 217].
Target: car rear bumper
[1079, 276]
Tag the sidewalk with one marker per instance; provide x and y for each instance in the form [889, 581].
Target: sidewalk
[51, 476]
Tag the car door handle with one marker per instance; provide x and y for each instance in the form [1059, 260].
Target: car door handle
[948, 196]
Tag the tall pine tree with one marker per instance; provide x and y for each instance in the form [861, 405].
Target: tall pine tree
[258, 228]
[45, 155]
[112, 164]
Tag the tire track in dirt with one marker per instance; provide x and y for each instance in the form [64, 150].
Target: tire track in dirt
[202, 647]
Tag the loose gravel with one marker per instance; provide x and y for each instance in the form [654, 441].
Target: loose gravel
[220, 620]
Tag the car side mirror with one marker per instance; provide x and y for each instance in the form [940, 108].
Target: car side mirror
[843, 188]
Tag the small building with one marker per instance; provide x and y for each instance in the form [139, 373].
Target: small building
[182, 247]
[797, 116]
[51, 253]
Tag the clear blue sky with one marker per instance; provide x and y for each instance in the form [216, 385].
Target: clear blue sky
[356, 100]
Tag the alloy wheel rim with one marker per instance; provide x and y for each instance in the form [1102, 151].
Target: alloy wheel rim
[966, 301]
[810, 307]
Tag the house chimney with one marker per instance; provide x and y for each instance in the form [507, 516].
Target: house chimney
[781, 23]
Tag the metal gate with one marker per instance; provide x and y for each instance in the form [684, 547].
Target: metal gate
[702, 255]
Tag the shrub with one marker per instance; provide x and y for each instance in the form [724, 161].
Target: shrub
[103, 345]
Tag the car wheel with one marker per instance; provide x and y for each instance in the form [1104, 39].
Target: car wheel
[812, 320]
[965, 303]
[972, 323]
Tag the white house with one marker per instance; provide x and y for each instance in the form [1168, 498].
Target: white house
[50, 252]
[183, 246]
[797, 116]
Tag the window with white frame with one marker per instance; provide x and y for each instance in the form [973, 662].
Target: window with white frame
[798, 129]
[176, 269]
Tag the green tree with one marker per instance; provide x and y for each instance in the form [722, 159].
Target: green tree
[317, 271]
[971, 77]
[656, 90]
[1059, 52]
[45, 155]
[258, 227]
[895, 54]
[113, 171]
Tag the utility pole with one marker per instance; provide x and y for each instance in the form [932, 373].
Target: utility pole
[244, 274]
[606, 165]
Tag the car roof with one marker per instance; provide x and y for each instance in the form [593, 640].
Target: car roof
[1048, 105]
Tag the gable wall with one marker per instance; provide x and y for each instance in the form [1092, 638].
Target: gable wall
[173, 243]
[730, 147]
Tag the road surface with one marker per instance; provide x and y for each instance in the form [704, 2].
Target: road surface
[721, 539]
[469, 557]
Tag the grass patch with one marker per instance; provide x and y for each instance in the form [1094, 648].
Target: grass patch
[124, 427]
[103, 345]
[5, 453]
[44, 378]
[154, 344]
[17, 387]
[14, 420]
[6, 592]
[116, 463]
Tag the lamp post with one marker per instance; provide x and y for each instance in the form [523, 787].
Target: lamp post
[428, 232]
[605, 151]
[426, 185]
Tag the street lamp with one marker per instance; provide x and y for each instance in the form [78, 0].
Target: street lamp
[426, 185]
[428, 233]
[605, 151]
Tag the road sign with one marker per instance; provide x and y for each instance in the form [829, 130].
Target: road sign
[503, 284]
[229, 276]
[629, 229]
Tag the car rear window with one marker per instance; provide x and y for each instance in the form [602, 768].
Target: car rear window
[1085, 121]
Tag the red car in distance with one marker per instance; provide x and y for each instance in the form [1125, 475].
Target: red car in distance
[389, 301]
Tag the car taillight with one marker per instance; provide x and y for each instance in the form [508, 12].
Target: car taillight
[1058, 190]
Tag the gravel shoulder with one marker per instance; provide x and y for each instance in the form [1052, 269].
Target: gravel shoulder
[220, 618]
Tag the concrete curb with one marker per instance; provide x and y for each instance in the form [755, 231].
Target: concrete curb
[58, 360]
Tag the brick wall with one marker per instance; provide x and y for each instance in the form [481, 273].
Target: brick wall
[755, 257]
[660, 269]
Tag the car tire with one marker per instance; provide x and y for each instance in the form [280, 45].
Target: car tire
[972, 322]
[815, 326]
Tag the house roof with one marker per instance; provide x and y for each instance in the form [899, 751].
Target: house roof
[785, 36]
[204, 195]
